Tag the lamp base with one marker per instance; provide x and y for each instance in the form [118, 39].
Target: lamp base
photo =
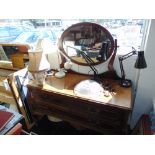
[125, 83]
[38, 77]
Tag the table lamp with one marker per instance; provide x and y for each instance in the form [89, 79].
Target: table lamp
[140, 64]
[38, 65]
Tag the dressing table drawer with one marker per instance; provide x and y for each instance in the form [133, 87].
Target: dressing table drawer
[78, 105]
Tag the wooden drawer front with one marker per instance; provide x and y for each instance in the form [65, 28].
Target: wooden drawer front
[109, 120]
[74, 103]
[59, 100]
[66, 109]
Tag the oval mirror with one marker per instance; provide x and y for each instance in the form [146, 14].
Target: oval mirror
[92, 39]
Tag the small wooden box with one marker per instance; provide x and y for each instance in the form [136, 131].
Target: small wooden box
[18, 60]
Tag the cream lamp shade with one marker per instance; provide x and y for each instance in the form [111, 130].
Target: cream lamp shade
[38, 66]
[37, 62]
[37, 59]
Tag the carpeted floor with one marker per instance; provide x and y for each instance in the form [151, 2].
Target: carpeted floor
[46, 127]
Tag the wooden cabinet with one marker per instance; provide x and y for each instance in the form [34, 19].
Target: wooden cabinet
[107, 115]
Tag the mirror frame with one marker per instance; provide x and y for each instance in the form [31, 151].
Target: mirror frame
[64, 34]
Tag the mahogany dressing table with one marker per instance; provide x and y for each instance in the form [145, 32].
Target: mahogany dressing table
[56, 97]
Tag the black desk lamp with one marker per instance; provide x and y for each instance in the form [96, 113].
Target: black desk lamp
[140, 64]
[89, 61]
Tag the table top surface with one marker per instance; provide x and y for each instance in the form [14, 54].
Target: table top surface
[119, 97]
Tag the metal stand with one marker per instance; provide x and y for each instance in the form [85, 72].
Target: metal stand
[125, 82]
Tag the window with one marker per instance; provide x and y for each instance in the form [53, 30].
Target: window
[128, 32]
[9, 33]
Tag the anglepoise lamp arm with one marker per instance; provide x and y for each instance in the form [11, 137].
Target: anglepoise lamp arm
[125, 82]
[89, 61]
[91, 64]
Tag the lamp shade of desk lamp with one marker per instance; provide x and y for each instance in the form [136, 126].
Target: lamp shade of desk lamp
[140, 62]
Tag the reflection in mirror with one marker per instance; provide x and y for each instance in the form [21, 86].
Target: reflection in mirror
[91, 38]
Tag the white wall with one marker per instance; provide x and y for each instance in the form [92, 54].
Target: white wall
[146, 85]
